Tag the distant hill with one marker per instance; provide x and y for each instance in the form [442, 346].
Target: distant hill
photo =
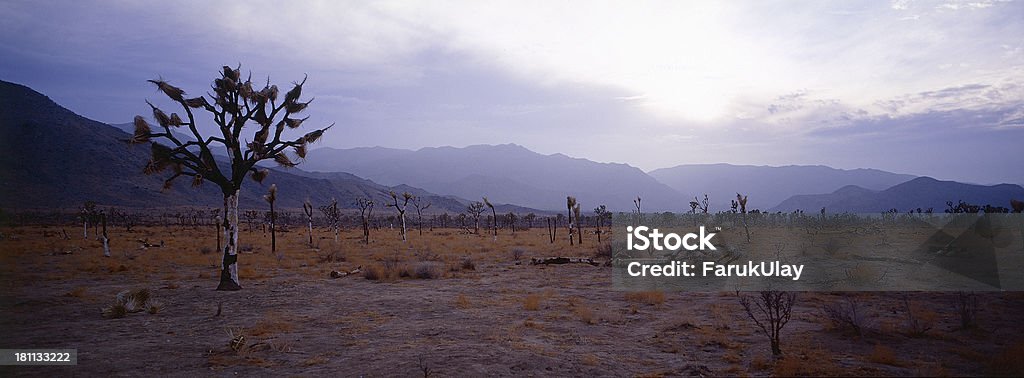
[767, 186]
[51, 157]
[506, 173]
[922, 192]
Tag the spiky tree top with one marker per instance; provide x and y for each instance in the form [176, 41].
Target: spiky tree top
[234, 105]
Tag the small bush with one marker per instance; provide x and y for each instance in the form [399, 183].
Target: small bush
[468, 264]
[374, 273]
[848, 316]
[205, 250]
[517, 253]
[532, 302]
[427, 270]
[883, 355]
[646, 297]
[918, 320]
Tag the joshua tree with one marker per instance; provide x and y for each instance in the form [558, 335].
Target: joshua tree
[579, 223]
[233, 105]
[741, 200]
[494, 217]
[89, 216]
[333, 216]
[365, 212]
[474, 209]
[570, 203]
[106, 240]
[406, 197]
[420, 205]
[601, 212]
[307, 208]
[639, 214]
[271, 197]
[511, 219]
[529, 218]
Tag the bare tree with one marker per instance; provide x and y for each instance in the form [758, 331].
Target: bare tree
[333, 216]
[570, 203]
[579, 224]
[365, 212]
[494, 217]
[233, 105]
[474, 209]
[307, 208]
[529, 218]
[770, 310]
[420, 205]
[89, 216]
[271, 197]
[406, 197]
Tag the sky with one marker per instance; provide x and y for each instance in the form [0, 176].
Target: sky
[922, 87]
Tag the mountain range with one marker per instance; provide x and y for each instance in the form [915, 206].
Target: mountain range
[921, 192]
[51, 157]
[765, 187]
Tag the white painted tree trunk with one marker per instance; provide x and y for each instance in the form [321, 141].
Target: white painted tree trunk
[229, 267]
[85, 230]
[310, 229]
[106, 246]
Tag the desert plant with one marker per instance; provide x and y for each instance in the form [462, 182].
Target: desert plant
[770, 310]
[307, 209]
[235, 104]
[271, 197]
[420, 205]
[406, 197]
[474, 209]
[601, 213]
[848, 315]
[365, 212]
[570, 203]
[494, 217]
[918, 322]
[333, 217]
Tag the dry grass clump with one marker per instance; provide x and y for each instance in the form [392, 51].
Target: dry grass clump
[131, 301]
[882, 354]
[808, 361]
[532, 302]
[375, 272]
[462, 302]
[586, 314]
[428, 270]
[77, 292]
[646, 297]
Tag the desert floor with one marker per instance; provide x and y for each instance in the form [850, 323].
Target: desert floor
[479, 308]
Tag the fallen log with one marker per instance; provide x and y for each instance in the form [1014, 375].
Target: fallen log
[337, 274]
[563, 260]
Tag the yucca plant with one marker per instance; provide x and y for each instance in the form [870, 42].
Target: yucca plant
[406, 197]
[494, 216]
[233, 106]
[570, 203]
[271, 197]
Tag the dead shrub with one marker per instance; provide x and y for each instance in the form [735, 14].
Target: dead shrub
[467, 263]
[848, 316]
[770, 310]
[531, 302]
[917, 320]
[131, 301]
[428, 270]
[646, 297]
[518, 253]
[882, 354]
[374, 272]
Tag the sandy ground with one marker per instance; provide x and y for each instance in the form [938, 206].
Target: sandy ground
[501, 318]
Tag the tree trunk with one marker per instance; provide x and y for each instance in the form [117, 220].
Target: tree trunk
[106, 240]
[310, 228]
[229, 267]
[85, 230]
[403, 226]
[273, 229]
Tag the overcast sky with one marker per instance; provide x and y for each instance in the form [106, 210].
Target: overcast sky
[923, 87]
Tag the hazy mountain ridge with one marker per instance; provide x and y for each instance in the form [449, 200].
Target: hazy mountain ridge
[922, 192]
[51, 157]
[505, 173]
[767, 186]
